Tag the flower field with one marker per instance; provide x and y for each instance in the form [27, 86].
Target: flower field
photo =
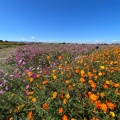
[61, 82]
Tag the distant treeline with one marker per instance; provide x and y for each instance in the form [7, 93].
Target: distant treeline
[11, 43]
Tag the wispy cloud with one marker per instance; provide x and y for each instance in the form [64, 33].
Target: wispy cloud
[98, 41]
[114, 40]
[32, 37]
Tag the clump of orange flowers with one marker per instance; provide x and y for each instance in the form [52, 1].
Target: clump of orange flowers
[45, 106]
[30, 115]
[60, 110]
[65, 117]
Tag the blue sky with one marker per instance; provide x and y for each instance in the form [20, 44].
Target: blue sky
[70, 21]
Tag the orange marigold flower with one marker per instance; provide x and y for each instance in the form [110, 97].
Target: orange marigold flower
[45, 82]
[59, 57]
[93, 85]
[110, 105]
[31, 79]
[104, 107]
[82, 80]
[67, 81]
[61, 96]
[94, 118]
[65, 117]
[94, 71]
[30, 93]
[98, 104]
[105, 86]
[60, 66]
[93, 97]
[40, 86]
[95, 77]
[54, 94]
[90, 74]
[33, 100]
[70, 87]
[45, 106]
[29, 74]
[60, 110]
[90, 81]
[68, 75]
[89, 93]
[77, 70]
[116, 85]
[30, 115]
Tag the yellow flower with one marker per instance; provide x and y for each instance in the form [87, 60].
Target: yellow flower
[65, 101]
[40, 87]
[67, 96]
[12, 94]
[74, 84]
[31, 79]
[45, 82]
[102, 94]
[54, 77]
[107, 82]
[82, 72]
[38, 75]
[11, 118]
[112, 114]
[102, 67]
[48, 57]
[54, 94]
[100, 74]
[53, 71]
[73, 119]
[33, 100]
[67, 81]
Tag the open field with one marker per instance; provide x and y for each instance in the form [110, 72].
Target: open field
[60, 81]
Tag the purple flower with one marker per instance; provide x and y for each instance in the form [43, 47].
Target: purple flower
[27, 86]
[34, 76]
[6, 88]
[27, 70]
[0, 83]
[2, 92]
[27, 92]
[16, 75]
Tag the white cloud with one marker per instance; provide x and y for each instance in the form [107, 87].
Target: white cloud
[98, 41]
[22, 39]
[114, 40]
[32, 37]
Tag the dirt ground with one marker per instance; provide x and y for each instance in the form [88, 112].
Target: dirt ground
[5, 53]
